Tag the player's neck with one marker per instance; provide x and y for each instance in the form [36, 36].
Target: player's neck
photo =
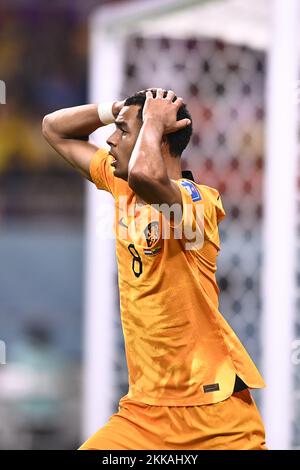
[172, 164]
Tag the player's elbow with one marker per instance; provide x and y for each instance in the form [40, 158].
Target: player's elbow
[47, 127]
[140, 181]
[50, 127]
[134, 179]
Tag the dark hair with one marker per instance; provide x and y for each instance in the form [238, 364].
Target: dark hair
[177, 140]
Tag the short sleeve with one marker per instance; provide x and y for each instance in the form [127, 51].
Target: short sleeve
[214, 212]
[202, 210]
[101, 171]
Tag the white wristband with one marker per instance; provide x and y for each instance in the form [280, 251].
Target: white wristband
[105, 112]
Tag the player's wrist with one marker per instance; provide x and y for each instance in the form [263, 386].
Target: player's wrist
[109, 110]
[105, 112]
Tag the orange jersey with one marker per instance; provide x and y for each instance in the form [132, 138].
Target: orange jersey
[179, 348]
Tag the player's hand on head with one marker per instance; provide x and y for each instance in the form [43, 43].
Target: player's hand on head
[163, 110]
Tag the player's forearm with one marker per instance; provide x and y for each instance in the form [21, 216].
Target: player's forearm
[78, 121]
[146, 159]
[75, 122]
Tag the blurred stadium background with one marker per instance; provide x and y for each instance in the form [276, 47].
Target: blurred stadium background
[58, 280]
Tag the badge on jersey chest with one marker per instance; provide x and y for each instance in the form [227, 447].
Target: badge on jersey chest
[192, 190]
[152, 251]
[152, 233]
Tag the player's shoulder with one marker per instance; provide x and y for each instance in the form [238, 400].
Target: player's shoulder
[191, 188]
[208, 196]
[212, 200]
[198, 191]
[209, 192]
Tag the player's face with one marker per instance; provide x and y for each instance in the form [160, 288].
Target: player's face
[123, 139]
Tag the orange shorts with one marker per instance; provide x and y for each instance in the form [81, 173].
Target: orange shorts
[234, 423]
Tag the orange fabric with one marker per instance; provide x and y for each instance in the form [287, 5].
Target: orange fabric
[232, 424]
[180, 350]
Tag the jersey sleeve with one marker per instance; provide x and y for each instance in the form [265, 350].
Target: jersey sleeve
[202, 210]
[101, 171]
[214, 213]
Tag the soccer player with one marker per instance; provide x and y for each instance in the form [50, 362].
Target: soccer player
[189, 375]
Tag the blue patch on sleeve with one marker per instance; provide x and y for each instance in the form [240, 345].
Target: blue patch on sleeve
[192, 190]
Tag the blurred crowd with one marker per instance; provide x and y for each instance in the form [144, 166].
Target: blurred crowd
[43, 64]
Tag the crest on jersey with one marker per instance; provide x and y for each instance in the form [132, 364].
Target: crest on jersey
[152, 233]
[192, 190]
[152, 251]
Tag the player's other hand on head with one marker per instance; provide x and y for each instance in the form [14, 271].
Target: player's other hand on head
[162, 106]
